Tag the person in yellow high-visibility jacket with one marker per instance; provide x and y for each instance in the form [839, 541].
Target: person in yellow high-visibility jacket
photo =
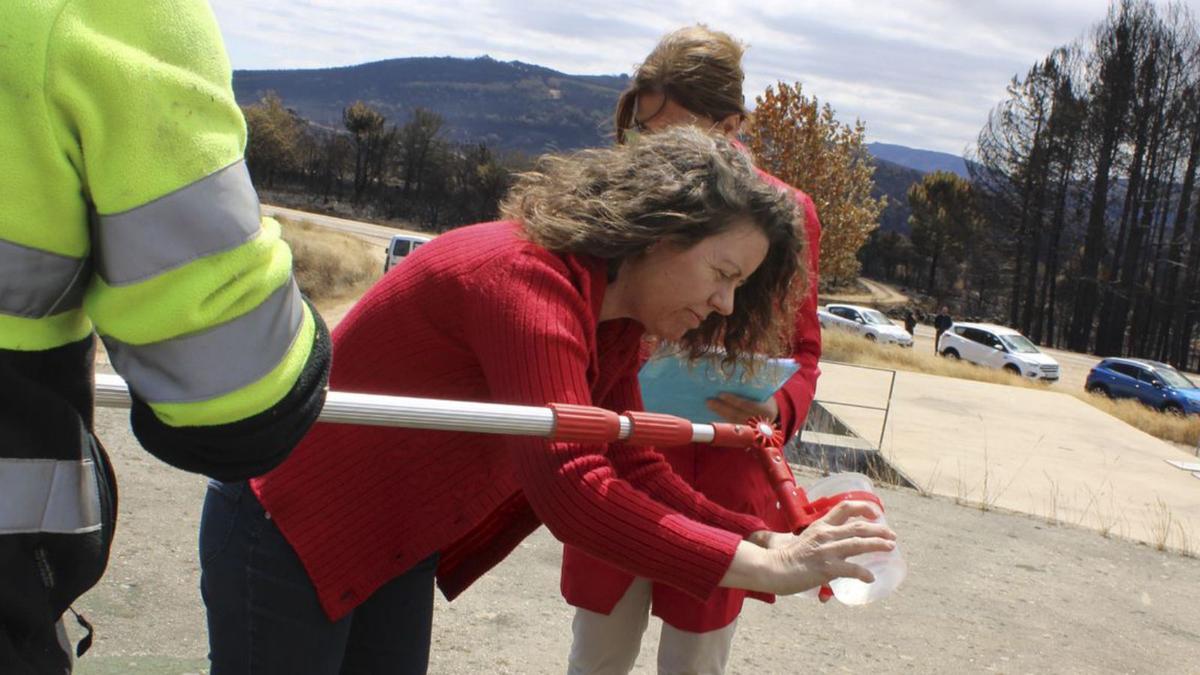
[126, 210]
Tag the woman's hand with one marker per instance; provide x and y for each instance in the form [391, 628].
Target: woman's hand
[738, 409]
[815, 556]
[771, 539]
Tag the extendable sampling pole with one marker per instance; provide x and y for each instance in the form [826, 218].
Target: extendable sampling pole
[556, 421]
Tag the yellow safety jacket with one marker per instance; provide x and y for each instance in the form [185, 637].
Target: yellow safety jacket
[126, 210]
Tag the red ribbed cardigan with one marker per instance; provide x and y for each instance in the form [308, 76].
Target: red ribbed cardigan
[482, 314]
[732, 479]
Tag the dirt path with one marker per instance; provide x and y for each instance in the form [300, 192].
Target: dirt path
[885, 294]
[333, 310]
[877, 295]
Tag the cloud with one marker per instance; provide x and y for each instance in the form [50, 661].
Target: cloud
[922, 73]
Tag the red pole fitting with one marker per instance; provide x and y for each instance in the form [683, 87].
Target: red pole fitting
[768, 443]
[584, 423]
[657, 429]
[792, 500]
[727, 435]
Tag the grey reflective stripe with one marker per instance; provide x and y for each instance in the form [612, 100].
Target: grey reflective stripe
[216, 213]
[216, 361]
[37, 283]
[47, 495]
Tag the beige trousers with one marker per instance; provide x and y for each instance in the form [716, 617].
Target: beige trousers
[609, 644]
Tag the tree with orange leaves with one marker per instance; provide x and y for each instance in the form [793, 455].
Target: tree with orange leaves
[799, 140]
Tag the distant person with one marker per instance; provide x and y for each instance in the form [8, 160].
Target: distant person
[126, 210]
[694, 76]
[910, 322]
[941, 324]
[328, 563]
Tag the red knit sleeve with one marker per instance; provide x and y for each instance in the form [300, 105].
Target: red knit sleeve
[648, 470]
[796, 395]
[526, 324]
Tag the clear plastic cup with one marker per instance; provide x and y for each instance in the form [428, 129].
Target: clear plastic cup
[888, 567]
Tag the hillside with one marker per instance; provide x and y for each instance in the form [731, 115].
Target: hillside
[513, 106]
[518, 106]
[924, 161]
[893, 181]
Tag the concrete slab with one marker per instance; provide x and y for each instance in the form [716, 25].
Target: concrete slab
[1039, 452]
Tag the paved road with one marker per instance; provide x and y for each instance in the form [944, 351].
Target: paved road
[376, 234]
[1031, 450]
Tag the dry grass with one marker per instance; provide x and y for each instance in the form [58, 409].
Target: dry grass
[1160, 526]
[330, 265]
[840, 345]
[926, 490]
[1107, 517]
[1185, 545]
[846, 347]
[1054, 497]
[1185, 430]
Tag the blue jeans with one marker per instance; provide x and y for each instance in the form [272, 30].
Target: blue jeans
[263, 613]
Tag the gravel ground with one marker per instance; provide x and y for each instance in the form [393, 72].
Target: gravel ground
[987, 591]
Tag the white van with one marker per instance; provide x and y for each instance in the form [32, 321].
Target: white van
[400, 246]
[997, 347]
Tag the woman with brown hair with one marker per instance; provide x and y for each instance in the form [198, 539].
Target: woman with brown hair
[327, 564]
[693, 77]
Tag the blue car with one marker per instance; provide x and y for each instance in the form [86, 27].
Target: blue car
[1155, 384]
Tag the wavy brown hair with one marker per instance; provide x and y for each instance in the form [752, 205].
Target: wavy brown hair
[697, 67]
[678, 186]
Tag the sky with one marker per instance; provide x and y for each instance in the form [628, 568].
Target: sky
[921, 73]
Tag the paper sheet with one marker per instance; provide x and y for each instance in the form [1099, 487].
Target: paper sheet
[1186, 466]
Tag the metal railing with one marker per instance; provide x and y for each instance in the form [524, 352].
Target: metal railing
[886, 408]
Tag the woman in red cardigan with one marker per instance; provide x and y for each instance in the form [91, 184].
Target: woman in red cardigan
[327, 564]
[694, 77]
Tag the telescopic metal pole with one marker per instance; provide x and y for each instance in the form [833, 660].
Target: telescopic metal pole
[555, 421]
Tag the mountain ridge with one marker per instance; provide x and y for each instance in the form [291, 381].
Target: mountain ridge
[517, 106]
[510, 105]
[925, 161]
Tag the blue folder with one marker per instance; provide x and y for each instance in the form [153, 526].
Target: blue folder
[670, 385]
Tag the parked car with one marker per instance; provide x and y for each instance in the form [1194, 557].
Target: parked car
[400, 246]
[867, 322]
[1155, 384]
[997, 347]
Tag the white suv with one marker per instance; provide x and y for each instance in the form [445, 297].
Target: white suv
[400, 246]
[997, 347]
[867, 322]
